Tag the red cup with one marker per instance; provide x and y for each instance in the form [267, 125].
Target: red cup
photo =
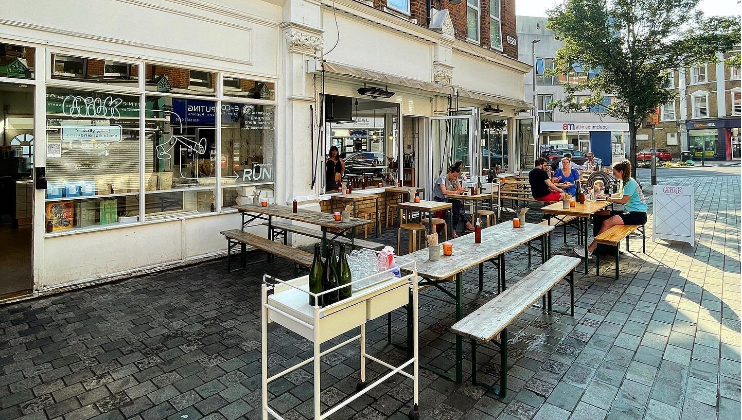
[336, 215]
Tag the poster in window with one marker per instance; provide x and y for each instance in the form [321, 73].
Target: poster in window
[61, 214]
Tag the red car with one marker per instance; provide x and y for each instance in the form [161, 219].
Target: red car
[646, 155]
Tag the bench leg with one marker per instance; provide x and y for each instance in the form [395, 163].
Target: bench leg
[481, 276]
[503, 347]
[243, 255]
[543, 303]
[548, 300]
[644, 240]
[617, 253]
[627, 243]
[564, 225]
[572, 293]
[229, 255]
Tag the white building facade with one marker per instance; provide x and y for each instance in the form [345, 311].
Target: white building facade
[149, 122]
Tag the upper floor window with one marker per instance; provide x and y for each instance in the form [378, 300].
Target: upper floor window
[495, 25]
[602, 107]
[543, 65]
[545, 112]
[668, 111]
[472, 20]
[736, 102]
[399, 5]
[734, 72]
[671, 80]
[698, 74]
[699, 103]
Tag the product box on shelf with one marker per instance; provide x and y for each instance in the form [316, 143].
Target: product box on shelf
[164, 180]
[108, 212]
[61, 214]
[87, 188]
[72, 188]
[88, 213]
[151, 182]
[54, 190]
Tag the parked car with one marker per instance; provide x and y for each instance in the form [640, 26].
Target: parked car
[645, 155]
[555, 156]
[365, 162]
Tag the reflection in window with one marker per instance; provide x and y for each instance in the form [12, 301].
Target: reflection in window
[16, 62]
[247, 88]
[248, 135]
[92, 159]
[94, 70]
[168, 79]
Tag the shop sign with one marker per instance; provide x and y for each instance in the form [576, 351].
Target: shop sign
[91, 133]
[557, 126]
[674, 213]
[92, 105]
[694, 126]
[197, 112]
[259, 172]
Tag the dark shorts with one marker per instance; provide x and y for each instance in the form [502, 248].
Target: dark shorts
[634, 218]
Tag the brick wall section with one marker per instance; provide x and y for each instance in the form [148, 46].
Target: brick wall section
[458, 17]
[96, 68]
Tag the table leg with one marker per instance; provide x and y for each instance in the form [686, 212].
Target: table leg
[584, 232]
[459, 313]
[543, 249]
[502, 270]
[378, 223]
[481, 276]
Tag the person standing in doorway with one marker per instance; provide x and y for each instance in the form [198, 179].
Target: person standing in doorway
[334, 170]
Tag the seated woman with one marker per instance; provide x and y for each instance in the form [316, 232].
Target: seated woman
[567, 174]
[542, 188]
[448, 184]
[635, 207]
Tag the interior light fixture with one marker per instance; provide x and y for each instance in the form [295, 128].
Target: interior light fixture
[495, 110]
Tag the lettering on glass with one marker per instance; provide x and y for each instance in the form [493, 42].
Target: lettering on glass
[259, 172]
[192, 146]
[79, 106]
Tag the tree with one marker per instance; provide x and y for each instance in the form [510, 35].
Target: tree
[626, 49]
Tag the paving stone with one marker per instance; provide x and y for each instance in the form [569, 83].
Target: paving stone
[600, 394]
[585, 411]
[565, 396]
[657, 410]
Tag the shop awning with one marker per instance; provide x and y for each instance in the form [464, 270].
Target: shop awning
[383, 78]
[389, 79]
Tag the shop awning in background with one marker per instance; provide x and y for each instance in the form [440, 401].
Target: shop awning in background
[389, 79]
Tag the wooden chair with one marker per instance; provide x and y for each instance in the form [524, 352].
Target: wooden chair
[391, 208]
[436, 222]
[413, 230]
[368, 215]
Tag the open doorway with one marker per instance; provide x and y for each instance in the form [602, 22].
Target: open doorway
[16, 188]
[365, 134]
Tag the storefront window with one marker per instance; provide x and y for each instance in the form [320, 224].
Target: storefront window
[168, 79]
[703, 143]
[180, 151]
[16, 62]
[95, 70]
[494, 138]
[247, 88]
[92, 159]
[248, 149]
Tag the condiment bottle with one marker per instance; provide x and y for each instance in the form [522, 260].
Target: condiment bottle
[477, 232]
[294, 206]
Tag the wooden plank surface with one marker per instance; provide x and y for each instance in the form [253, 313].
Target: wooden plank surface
[489, 320]
[314, 233]
[402, 190]
[475, 197]
[579, 210]
[425, 205]
[354, 196]
[615, 234]
[496, 240]
[302, 215]
[276, 248]
[559, 222]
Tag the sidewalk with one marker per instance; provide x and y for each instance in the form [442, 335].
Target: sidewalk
[663, 342]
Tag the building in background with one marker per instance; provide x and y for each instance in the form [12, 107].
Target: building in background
[704, 119]
[150, 120]
[584, 131]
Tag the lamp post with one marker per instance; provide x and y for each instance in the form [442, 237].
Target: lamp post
[535, 99]
[654, 156]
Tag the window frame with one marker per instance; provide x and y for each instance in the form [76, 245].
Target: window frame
[70, 75]
[694, 79]
[694, 108]
[478, 9]
[543, 77]
[396, 9]
[498, 19]
[111, 74]
[545, 110]
[671, 78]
[663, 116]
[738, 92]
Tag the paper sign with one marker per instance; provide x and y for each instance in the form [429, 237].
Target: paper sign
[674, 213]
[109, 133]
[54, 150]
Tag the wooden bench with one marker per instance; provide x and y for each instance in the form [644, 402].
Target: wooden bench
[314, 233]
[613, 237]
[238, 238]
[493, 318]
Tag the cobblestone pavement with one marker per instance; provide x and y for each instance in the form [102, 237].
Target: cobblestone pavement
[663, 342]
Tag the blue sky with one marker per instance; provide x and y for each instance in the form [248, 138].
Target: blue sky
[709, 7]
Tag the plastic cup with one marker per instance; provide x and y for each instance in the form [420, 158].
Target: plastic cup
[572, 202]
[516, 222]
[447, 249]
[336, 215]
[417, 199]
[264, 203]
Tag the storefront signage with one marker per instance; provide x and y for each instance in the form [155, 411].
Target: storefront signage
[674, 213]
[108, 133]
[259, 172]
[557, 126]
[92, 104]
[702, 125]
[197, 112]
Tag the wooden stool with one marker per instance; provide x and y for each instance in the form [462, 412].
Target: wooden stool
[488, 215]
[414, 229]
[368, 215]
[391, 207]
[436, 222]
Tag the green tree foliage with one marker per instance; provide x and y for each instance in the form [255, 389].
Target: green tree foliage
[627, 49]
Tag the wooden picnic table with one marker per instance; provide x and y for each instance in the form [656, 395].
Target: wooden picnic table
[429, 207]
[354, 198]
[582, 212]
[475, 199]
[496, 241]
[325, 221]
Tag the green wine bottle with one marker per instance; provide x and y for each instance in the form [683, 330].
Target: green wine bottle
[345, 276]
[329, 278]
[315, 275]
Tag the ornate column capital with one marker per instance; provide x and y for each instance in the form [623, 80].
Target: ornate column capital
[442, 73]
[302, 41]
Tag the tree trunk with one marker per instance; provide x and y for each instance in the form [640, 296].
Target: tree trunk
[633, 129]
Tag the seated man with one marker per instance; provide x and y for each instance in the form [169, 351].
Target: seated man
[591, 165]
[542, 188]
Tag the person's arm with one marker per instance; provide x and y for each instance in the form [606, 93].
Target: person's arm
[623, 200]
[629, 188]
[553, 187]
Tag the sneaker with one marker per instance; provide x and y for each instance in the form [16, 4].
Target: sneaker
[580, 251]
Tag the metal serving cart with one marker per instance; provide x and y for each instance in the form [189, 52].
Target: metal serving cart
[287, 304]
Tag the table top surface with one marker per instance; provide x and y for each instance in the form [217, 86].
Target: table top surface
[475, 197]
[302, 215]
[425, 205]
[354, 196]
[579, 210]
[402, 190]
[496, 240]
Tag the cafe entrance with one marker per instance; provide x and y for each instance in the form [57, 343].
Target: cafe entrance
[16, 189]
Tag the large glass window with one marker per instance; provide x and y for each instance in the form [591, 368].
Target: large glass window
[698, 74]
[246, 88]
[545, 112]
[472, 20]
[495, 25]
[543, 65]
[668, 111]
[703, 143]
[248, 141]
[92, 159]
[16, 62]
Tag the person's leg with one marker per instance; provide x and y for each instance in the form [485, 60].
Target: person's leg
[607, 224]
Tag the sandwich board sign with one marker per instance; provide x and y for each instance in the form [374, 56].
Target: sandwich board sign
[674, 213]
